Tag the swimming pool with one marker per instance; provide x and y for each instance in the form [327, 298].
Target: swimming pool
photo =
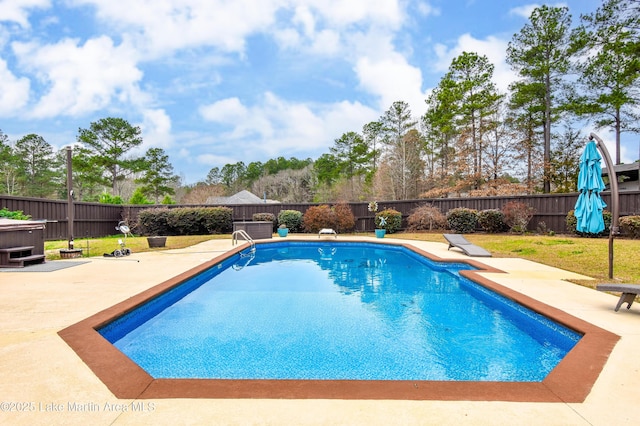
[570, 381]
[349, 311]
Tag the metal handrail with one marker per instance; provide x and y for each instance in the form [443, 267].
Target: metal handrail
[245, 236]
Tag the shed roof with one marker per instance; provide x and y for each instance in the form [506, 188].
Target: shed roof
[242, 197]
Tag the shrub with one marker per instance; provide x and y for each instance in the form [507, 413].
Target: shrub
[218, 220]
[426, 218]
[393, 220]
[265, 217]
[110, 199]
[630, 226]
[572, 224]
[292, 219]
[517, 216]
[15, 214]
[318, 217]
[168, 200]
[345, 220]
[138, 197]
[185, 221]
[153, 222]
[462, 220]
[492, 221]
[542, 229]
[338, 217]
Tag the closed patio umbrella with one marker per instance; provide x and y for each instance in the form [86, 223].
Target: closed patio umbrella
[589, 207]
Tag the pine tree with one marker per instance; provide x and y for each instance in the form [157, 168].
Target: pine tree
[111, 139]
[541, 53]
[610, 67]
[157, 177]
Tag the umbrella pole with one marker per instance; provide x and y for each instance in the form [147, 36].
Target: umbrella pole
[615, 209]
[70, 209]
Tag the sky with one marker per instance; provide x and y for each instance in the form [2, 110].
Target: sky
[214, 82]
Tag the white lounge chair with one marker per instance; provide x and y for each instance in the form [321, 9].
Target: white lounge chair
[460, 242]
[327, 231]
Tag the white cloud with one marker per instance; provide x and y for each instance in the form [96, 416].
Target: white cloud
[348, 116]
[287, 38]
[392, 79]
[340, 13]
[163, 26]
[324, 27]
[305, 18]
[492, 47]
[14, 91]
[80, 78]
[215, 160]
[326, 43]
[228, 110]
[18, 10]
[156, 128]
[523, 11]
[275, 126]
[426, 9]
[160, 27]
[384, 72]
[272, 126]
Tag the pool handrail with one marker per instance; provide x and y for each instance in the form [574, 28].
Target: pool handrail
[245, 236]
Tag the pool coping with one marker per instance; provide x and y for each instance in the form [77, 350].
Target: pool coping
[570, 381]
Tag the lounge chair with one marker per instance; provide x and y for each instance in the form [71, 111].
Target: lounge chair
[327, 231]
[459, 241]
[629, 292]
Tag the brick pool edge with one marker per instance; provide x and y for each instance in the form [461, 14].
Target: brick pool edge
[570, 381]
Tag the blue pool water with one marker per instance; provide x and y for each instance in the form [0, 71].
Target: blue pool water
[356, 311]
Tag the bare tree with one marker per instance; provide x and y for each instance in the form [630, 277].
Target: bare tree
[397, 121]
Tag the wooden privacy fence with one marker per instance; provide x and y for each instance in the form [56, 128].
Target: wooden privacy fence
[91, 219]
[97, 220]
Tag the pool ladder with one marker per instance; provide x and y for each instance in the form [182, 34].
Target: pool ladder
[247, 257]
[242, 233]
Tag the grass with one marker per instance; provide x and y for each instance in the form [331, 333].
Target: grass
[98, 246]
[586, 256]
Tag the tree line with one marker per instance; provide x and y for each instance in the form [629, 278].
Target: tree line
[472, 139]
[101, 163]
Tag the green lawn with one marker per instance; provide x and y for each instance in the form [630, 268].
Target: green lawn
[587, 256]
[99, 246]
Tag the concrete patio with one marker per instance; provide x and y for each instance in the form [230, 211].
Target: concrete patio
[43, 381]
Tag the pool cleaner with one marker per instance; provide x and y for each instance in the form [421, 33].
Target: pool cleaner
[123, 250]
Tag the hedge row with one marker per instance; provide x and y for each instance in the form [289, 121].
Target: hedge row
[514, 217]
[185, 221]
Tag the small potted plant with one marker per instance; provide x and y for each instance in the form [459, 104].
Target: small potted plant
[379, 220]
[283, 231]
